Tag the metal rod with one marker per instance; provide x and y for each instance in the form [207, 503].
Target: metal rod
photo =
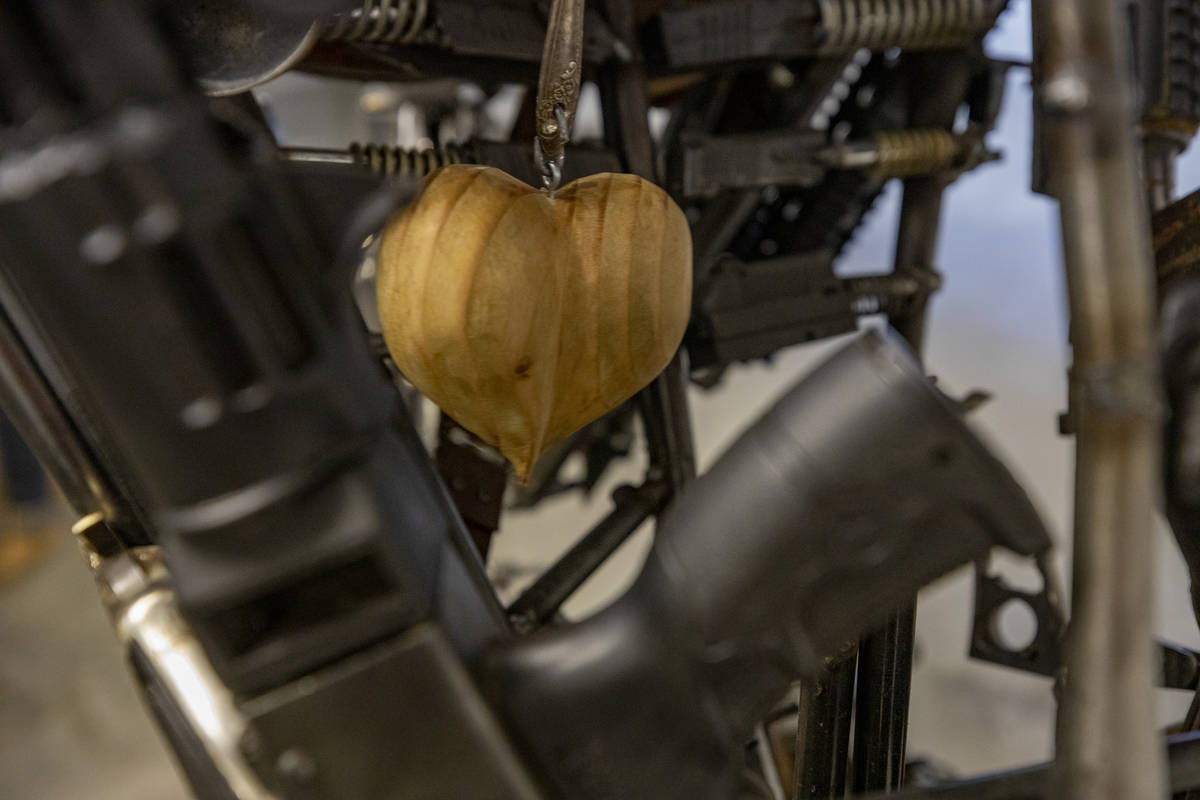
[29, 404]
[881, 716]
[943, 80]
[665, 415]
[541, 601]
[663, 403]
[317, 155]
[823, 736]
[1106, 738]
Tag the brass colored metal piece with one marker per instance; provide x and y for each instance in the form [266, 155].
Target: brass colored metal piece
[906, 153]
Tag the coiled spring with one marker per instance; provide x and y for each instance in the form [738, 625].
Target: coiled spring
[914, 24]
[915, 152]
[388, 21]
[399, 162]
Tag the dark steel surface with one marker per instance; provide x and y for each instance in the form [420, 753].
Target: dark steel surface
[770, 561]
[541, 601]
[320, 737]
[881, 703]
[667, 422]
[709, 34]
[251, 425]
[476, 477]
[662, 404]
[716, 164]
[30, 405]
[1043, 655]
[751, 310]
[825, 711]
[234, 45]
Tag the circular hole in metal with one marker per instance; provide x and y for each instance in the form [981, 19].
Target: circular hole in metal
[1014, 625]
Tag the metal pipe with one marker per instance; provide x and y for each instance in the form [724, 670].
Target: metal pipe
[823, 739]
[29, 403]
[541, 601]
[1106, 739]
[881, 718]
[665, 415]
[664, 402]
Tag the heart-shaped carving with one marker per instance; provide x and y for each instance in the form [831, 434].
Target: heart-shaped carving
[526, 316]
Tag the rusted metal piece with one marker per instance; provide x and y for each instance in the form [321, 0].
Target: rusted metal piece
[476, 476]
[1177, 238]
[559, 78]
[1106, 742]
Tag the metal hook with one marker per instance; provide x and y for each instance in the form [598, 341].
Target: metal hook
[551, 165]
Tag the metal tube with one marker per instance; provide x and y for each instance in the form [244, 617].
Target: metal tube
[668, 424]
[27, 400]
[1106, 738]
[541, 601]
[881, 718]
[664, 402]
[823, 738]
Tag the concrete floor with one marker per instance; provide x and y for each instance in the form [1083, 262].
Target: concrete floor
[71, 726]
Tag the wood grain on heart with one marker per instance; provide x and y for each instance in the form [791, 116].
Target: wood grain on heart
[525, 316]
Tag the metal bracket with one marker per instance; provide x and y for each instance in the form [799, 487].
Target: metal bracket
[1043, 654]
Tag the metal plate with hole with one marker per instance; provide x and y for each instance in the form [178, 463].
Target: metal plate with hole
[1040, 654]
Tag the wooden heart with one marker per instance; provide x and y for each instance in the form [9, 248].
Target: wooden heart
[525, 316]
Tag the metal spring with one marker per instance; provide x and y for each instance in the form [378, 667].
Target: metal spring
[880, 24]
[400, 162]
[389, 21]
[916, 152]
